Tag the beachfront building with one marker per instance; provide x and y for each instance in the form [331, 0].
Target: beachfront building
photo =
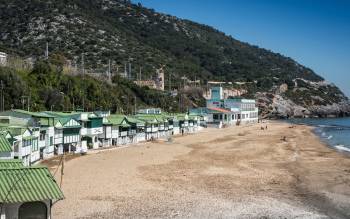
[26, 192]
[106, 136]
[137, 128]
[175, 125]
[67, 132]
[40, 124]
[243, 110]
[150, 111]
[214, 116]
[157, 124]
[183, 124]
[202, 116]
[23, 143]
[151, 126]
[120, 128]
[194, 123]
[91, 128]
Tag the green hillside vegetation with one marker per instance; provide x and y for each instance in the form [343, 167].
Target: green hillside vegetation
[48, 88]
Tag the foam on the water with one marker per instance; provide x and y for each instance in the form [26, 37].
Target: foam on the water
[342, 148]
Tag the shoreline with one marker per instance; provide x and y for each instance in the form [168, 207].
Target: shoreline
[236, 172]
[337, 147]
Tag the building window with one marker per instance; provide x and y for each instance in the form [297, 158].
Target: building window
[51, 140]
[42, 136]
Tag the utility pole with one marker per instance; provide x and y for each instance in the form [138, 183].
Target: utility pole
[83, 68]
[140, 75]
[135, 104]
[117, 69]
[2, 96]
[28, 103]
[23, 102]
[125, 71]
[109, 70]
[47, 51]
[169, 82]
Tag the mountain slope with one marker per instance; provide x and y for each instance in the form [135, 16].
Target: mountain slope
[119, 31]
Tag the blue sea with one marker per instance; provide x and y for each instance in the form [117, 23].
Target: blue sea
[334, 131]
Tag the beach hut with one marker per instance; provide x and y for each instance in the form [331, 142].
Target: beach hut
[24, 144]
[67, 132]
[106, 136]
[151, 125]
[41, 124]
[120, 128]
[183, 124]
[138, 127]
[26, 192]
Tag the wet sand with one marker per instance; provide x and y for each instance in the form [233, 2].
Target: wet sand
[236, 172]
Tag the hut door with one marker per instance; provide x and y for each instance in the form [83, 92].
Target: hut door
[32, 210]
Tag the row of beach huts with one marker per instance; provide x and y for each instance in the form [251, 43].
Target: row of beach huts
[28, 190]
[39, 135]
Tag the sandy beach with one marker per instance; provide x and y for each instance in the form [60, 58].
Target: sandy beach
[236, 172]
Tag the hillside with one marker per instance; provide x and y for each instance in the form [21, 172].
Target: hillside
[122, 32]
[47, 88]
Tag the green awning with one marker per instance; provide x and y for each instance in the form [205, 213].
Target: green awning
[5, 145]
[28, 184]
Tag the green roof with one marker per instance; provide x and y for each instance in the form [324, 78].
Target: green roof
[11, 163]
[34, 114]
[5, 145]
[62, 114]
[28, 184]
[116, 119]
[151, 118]
[134, 120]
[14, 131]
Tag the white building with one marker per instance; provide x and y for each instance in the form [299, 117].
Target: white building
[243, 110]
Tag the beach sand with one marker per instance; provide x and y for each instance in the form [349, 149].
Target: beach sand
[236, 172]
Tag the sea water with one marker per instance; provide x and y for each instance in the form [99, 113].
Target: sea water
[334, 131]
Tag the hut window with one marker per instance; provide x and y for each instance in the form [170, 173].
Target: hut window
[29, 210]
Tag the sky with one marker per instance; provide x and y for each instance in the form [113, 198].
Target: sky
[315, 33]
